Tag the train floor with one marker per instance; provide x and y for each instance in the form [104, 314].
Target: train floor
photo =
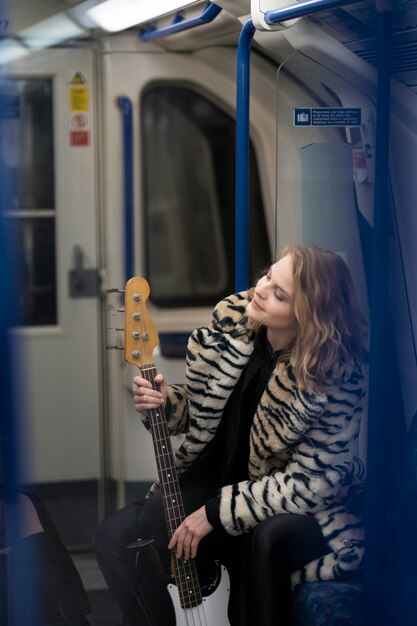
[104, 610]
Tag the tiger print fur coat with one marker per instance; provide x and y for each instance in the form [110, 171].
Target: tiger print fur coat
[301, 443]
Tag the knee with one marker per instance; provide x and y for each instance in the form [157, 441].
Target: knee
[104, 538]
[29, 522]
[115, 533]
[277, 531]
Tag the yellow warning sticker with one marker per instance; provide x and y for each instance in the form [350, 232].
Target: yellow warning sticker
[78, 79]
[78, 99]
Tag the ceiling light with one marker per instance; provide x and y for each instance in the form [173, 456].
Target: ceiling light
[51, 31]
[116, 15]
[11, 50]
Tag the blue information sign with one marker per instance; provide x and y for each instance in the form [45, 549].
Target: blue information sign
[327, 116]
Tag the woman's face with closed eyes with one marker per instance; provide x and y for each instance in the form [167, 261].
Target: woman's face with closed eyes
[272, 303]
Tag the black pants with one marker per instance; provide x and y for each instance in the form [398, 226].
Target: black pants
[259, 564]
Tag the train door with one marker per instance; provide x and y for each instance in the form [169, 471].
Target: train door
[48, 150]
[183, 118]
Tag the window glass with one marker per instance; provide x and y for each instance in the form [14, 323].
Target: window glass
[189, 199]
[26, 142]
[32, 243]
[28, 199]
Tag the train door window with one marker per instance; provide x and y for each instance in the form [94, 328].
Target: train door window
[189, 198]
[28, 198]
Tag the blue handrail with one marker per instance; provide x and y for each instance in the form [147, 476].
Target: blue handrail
[301, 9]
[178, 24]
[125, 105]
[242, 124]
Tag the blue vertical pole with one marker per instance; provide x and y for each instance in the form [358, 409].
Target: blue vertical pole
[126, 108]
[242, 157]
[19, 565]
[8, 452]
[8, 429]
[380, 423]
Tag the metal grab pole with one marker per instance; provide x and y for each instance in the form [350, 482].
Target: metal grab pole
[242, 157]
[381, 409]
[300, 9]
[125, 105]
[179, 25]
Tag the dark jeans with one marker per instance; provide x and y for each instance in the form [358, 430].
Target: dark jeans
[259, 563]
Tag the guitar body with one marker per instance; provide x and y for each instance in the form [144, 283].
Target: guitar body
[190, 605]
[213, 609]
[157, 607]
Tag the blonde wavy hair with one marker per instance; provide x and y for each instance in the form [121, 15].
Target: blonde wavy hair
[331, 329]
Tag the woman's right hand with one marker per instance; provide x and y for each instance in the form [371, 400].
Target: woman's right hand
[145, 397]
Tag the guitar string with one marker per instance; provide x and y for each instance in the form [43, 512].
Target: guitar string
[170, 495]
[190, 612]
[149, 375]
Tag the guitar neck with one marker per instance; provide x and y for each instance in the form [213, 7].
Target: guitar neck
[164, 457]
[184, 571]
[141, 339]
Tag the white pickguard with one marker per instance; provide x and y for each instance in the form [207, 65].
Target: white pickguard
[212, 611]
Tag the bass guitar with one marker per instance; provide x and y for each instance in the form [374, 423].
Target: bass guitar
[191, 606]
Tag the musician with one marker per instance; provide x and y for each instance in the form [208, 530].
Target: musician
[271, 411]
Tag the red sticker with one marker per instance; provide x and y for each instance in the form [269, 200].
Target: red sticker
[79, 138]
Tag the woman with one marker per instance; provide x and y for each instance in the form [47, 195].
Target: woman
[271, 412]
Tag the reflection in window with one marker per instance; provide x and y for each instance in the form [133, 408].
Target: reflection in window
[27, 201]
[189, 199]
[26, 142]
[33, 246]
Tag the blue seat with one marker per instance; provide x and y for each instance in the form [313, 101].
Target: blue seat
[332, 603]
[337, 603]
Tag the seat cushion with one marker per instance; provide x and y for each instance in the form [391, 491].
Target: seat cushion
[332, 603]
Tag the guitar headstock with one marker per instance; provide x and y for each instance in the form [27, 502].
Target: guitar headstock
[141, 337]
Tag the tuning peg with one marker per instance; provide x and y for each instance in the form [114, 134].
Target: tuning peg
[137, 335]
[114, 348]
[115, 290]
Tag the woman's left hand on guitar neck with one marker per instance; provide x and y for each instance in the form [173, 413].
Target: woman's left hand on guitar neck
[145, 396]
[188, 535]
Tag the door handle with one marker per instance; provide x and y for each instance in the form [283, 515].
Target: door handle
[83, 283]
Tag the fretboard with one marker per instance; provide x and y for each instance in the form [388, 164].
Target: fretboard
[184, 571]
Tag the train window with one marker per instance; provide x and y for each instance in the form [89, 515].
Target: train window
[189, 198]
[28, 200]
[33, 245]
